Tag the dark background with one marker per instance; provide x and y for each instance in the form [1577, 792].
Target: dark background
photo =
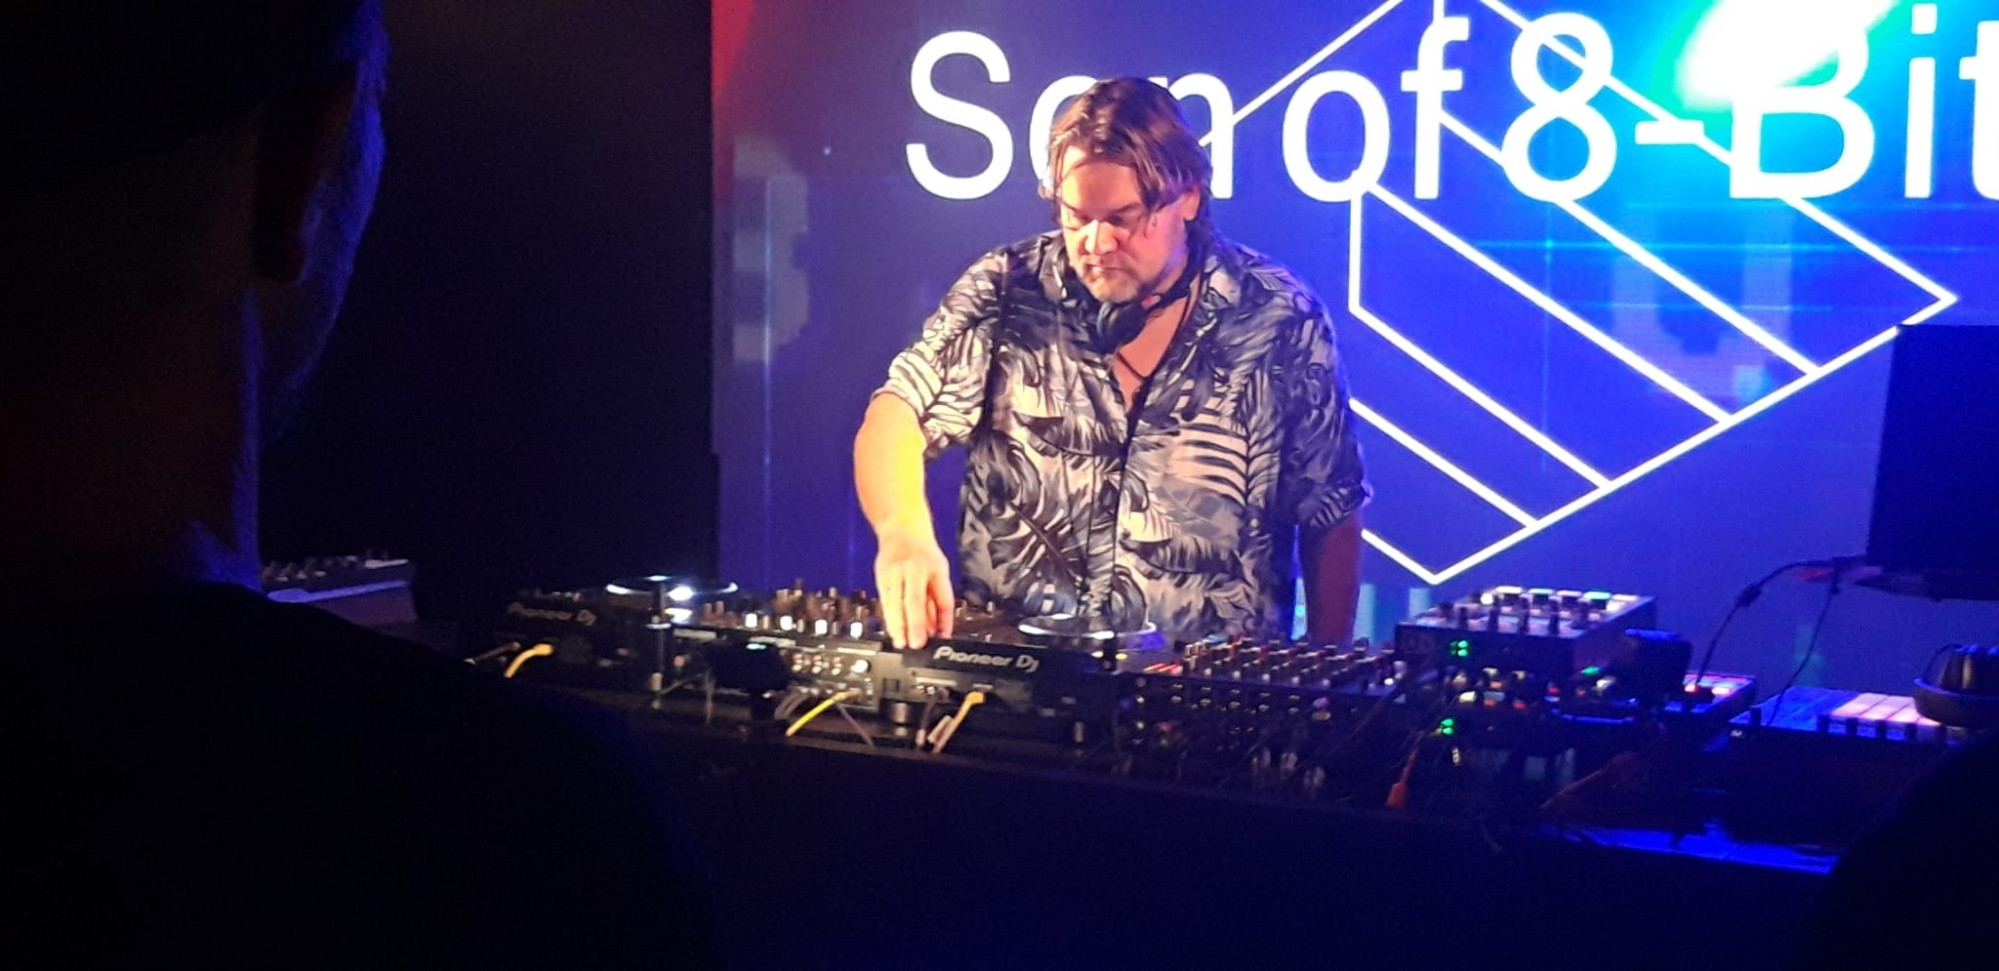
[518, 392]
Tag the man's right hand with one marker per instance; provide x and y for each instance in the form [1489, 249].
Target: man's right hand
[910, 571]
[915, 583]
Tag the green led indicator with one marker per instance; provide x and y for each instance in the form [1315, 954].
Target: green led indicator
[1448, 726]
[1592, 671]
[1461, 648]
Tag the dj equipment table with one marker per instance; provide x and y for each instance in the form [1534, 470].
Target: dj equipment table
[825, 852]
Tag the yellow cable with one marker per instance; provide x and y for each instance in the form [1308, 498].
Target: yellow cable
[542, 649]
[819, 709]
[942, 736]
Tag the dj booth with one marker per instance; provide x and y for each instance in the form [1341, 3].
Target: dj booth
[826, 852]
[1520, 779]
[1505, 785]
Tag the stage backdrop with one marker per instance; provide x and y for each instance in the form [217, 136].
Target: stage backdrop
[1615, 283]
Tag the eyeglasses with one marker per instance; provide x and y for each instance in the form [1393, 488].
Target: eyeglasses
[1125, 222]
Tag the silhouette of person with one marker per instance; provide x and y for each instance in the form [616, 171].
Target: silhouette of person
[1915, 890]
[202, 776]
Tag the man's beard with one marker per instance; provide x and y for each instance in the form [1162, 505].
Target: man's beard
[1121, 286]
[1116, 287]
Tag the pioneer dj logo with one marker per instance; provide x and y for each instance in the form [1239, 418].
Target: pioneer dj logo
[581, 617]
[1023, 663]
[1482, 216]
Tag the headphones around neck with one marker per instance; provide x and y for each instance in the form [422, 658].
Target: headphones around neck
[1116, 324]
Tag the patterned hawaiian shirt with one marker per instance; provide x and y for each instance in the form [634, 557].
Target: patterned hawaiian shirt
[1185, 513]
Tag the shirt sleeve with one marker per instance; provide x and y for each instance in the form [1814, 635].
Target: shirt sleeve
[1323, 478]
[943, 375]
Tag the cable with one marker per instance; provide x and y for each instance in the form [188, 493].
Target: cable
[1811, 644]
[542, 649]
[1742, 601]
[1398, 794]
[923, 720]
[819, 709]
[1614, 772]
[1262, 744]
[866, 739]
[949, 726]
[495, 654]
[1374, 711]
[791, 703]
[1110, 741]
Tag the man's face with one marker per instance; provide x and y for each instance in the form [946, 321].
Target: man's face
[1119, 249]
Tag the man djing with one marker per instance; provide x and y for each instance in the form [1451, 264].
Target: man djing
[1157, 418]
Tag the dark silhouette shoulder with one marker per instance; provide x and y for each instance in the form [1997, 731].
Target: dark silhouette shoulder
[221, 779]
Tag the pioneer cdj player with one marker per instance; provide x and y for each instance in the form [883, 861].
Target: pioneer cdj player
[1046, 676]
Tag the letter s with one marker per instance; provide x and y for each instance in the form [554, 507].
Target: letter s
[961, 113]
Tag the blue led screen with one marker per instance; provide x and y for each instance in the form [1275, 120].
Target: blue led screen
[1615, 282]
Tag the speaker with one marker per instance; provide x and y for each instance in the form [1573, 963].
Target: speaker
[1935, 527]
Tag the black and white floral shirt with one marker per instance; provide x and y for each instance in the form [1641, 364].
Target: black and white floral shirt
[1186, 513]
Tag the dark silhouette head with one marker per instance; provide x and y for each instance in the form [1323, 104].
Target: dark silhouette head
[184, 187]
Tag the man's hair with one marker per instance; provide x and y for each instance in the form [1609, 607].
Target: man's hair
[86, 84]
[1135, 123]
